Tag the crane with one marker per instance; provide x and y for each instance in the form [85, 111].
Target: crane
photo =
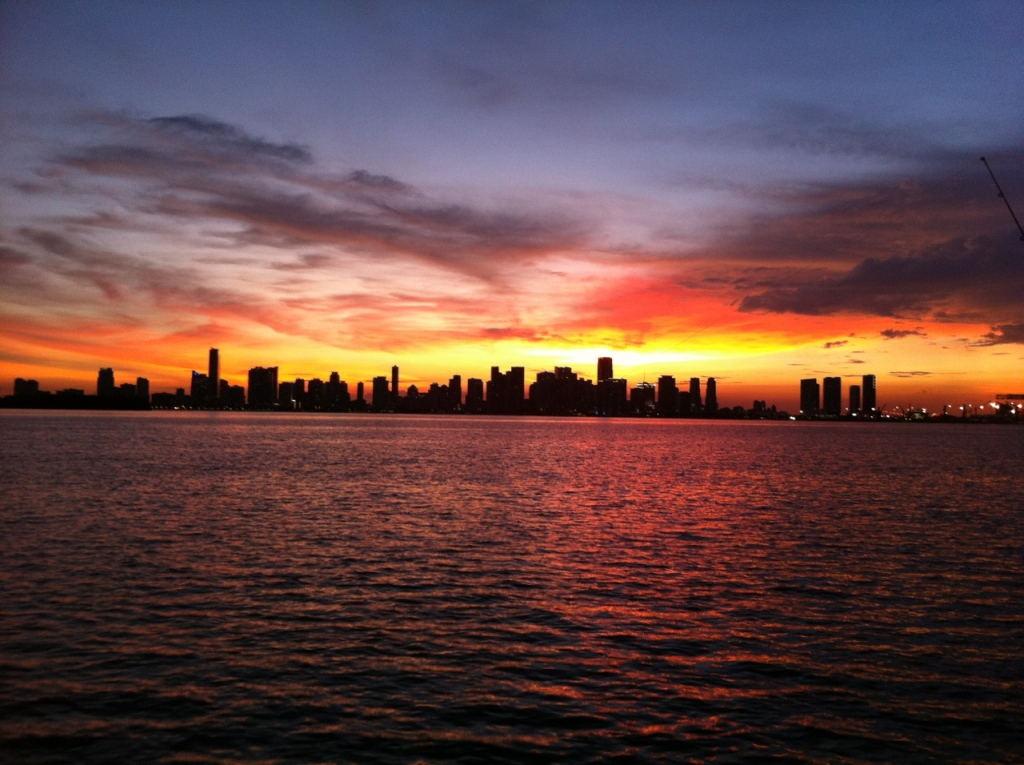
[1003, 197]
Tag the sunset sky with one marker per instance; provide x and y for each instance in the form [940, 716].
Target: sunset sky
[757, 192]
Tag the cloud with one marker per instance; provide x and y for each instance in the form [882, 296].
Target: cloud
[365, 178]
[835, 343]
[227, 137]
[197, 169]
[1003, 333]
[911, 374]
[958, 280]
[895, 334]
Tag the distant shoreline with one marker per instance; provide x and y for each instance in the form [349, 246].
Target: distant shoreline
[58, 402]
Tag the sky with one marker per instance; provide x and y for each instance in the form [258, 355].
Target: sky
[756, 192]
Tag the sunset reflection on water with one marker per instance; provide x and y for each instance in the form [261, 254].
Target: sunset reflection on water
[392, 589]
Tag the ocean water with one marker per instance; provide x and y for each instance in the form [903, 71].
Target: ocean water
[190, 587]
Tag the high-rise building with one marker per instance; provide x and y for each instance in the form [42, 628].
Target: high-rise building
[213, 384]
[810, 396]
[642, 398]
[474, 395]
[142, 389]
[25, 387]
[506, 391]
[394, 384]
[612, 397]
[869, 393]
[711, 396]
[695, 402]
[381, 397]
[262, 387]
[199, 390]
[517, 388]
[833, 396]
[854, 399]
[668, 396]
[604, 368]
[455, 393]
[286, 396]
[105, 384]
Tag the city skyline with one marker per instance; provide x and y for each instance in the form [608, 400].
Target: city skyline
[560, 391]
[757, 193]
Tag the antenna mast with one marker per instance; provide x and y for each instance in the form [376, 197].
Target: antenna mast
[1003, 197]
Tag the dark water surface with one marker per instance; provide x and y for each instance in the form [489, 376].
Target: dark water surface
[257, 588]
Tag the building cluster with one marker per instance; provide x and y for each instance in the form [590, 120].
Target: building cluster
[560, 392]
[863, 400]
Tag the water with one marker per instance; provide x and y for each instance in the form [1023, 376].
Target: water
[183, 587]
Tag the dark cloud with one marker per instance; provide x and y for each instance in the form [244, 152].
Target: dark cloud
[309, 261]
[197, 168]
[364, 178]
[816, 129]
[835, 343]
[958, 280]
[940, 198]
[915, 373]
[228, 137]
[895, 334]
[10, 257]
[1003, 333]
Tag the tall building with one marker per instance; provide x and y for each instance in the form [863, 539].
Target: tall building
[105, 384]
[517, 389]
[381, 399]
[25, 387]
[810, 396]
[262, 387]
[394, 384]
[142, 389]
[474, 395]
[642, 398]
[833, 396]
[668, 396]
[711, 396]
[455, 393]
[213, 382]
[854, 399]
[695, 403]
[869, 393]
[604, 368]
[506, 392]
[612, 397]
[199, 389]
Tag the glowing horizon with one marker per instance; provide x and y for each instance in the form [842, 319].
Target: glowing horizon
[429, 194]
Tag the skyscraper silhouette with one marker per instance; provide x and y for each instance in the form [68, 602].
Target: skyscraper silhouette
[382, 398]
[869, 393]
[604, 368]
[213, 378]
[262, 387]
[810, 396]
[668, 396]
[833, 403]
[711, 396]
[105, 383]
[695, 402]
